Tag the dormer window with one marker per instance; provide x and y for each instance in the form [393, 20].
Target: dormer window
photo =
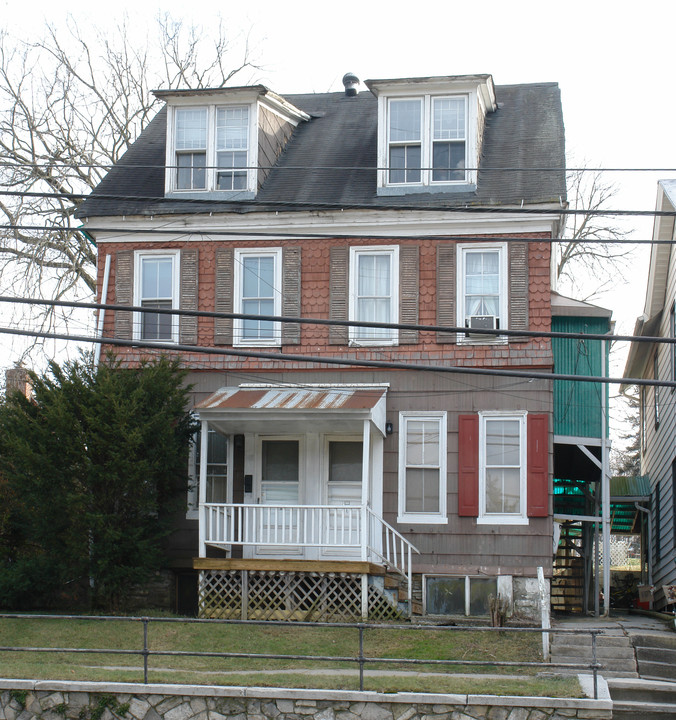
[430, 132]
[222, 142]
[427, 140]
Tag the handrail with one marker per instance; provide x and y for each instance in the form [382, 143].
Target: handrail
[360, 658]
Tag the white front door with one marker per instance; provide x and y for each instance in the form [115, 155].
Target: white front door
[343, 488]
[279, 482]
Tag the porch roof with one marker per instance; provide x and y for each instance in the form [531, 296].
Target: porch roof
[328, 408]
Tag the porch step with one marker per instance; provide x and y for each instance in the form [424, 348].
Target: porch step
[642, 699]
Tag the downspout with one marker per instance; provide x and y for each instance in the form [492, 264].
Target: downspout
[102, 312]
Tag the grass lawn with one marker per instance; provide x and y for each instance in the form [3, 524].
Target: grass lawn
[379, 643]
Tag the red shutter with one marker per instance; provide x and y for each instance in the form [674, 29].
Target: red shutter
[468, 465]
[538, 466]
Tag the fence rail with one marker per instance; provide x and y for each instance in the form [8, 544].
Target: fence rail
[359, 658]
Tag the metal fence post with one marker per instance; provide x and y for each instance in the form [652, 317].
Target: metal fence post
[145, 650]
[361, 657]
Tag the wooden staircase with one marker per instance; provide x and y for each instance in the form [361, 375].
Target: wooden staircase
[567, 594]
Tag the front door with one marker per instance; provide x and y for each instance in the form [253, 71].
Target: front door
[343, 485]
[279, 483]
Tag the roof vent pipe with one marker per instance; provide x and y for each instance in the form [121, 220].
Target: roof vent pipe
[351, 82]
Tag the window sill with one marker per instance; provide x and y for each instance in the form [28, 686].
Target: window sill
[419, 519]
[502, 520]
[373, 343]
[403, 189]
[483, 340]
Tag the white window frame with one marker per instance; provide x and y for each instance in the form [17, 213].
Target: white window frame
[463, 250]
[355, 254]
[175, 257]
[238, 323]
[426, 141]
[431, 518]
[211, 179]
[193, 496]
[520, 518]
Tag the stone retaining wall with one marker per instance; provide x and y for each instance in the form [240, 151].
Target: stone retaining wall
[51, 700]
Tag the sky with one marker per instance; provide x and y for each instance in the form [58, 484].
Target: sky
[612, 61]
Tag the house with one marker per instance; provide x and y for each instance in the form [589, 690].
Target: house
[657, 361]
[352, 469]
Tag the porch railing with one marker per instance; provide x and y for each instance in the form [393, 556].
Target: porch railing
[355, 529]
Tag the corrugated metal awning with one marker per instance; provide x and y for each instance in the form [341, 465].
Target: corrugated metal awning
[253, 409]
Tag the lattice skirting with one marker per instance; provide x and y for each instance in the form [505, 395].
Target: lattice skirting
[264, 595]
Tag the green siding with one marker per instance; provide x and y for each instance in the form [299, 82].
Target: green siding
[577, 405]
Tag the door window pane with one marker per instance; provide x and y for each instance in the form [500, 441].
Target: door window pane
[345, 461]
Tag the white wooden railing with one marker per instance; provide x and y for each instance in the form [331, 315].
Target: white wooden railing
[335, 527]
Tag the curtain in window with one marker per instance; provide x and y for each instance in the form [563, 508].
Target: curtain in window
[482, 283]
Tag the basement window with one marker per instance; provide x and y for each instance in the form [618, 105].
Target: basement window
[458, 595]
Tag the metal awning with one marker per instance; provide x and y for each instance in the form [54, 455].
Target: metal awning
[294, 409]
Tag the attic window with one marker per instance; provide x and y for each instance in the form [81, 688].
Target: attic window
[211, 149]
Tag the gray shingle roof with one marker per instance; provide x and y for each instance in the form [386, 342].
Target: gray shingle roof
[525, 132]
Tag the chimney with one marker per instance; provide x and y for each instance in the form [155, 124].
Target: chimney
[17, 380]
[351, 83]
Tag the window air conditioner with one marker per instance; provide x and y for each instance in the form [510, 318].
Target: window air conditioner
[482, 322]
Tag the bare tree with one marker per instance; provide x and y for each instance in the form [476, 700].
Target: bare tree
[70, 105]
[591, 257]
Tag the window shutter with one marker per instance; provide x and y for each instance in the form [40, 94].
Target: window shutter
[518, 288]
[446, 315]
[409, 299]
[291, 294]
[224, 295]
[538, 465]
[468, 465]
[338, 291]
[188, 299]
[124, 293]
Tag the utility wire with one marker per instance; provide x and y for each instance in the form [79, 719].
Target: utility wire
[175, 348]
[341, 323]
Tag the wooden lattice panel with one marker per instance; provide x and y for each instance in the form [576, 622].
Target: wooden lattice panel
[300, 596]
[220, 595]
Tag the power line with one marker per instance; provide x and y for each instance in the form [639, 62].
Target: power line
[537, 334]
[176, 348]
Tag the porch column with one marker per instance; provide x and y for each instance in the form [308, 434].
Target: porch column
[204, 445]
[365, 488]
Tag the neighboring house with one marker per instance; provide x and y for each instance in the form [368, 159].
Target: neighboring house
[658, 408]
[424, 201]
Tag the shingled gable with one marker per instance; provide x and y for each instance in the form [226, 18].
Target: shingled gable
[330, 161]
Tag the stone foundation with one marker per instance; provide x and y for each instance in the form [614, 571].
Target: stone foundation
[50, 700]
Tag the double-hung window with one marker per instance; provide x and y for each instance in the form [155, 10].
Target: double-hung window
[482, 289]
[212, 149]
[374, 294]
[258, 292]
[502, 468]
[422, 467]
[156, 286]
[191, 148]
[427, 140]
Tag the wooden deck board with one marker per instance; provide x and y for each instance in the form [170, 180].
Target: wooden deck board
[335, 566]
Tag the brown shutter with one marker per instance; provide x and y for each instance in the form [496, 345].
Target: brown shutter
[468, 465]
[518, 287]
[446, 315]
[538, 466]
[291, 294]
[224, 295]
[338, 293]
[188, 299]
[409, 292]
[124, 293]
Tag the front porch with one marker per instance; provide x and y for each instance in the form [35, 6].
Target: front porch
[293, 528]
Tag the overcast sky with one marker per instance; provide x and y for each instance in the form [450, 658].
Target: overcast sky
[612, 61]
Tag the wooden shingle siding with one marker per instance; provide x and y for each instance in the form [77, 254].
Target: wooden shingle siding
[338, 293]
[189, 296]
[446, 291]
[409, 292]
[518, 286]
[124, 293]
[273, 134]
[291, 294]
[224, 295]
